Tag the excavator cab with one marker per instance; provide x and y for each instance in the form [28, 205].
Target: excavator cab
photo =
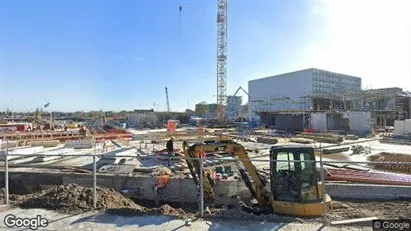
[295, 185]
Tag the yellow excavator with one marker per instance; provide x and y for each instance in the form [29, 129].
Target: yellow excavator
[295, 186]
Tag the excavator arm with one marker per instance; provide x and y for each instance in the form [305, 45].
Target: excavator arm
[256, 186]
[193, 164]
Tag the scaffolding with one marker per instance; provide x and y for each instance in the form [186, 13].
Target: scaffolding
[390, 103]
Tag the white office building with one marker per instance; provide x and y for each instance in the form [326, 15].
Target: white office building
[293, 92]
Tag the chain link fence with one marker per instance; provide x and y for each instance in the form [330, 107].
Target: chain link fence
[130, 180]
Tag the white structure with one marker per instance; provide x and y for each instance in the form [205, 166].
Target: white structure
[282, 92]
[233, 108]
[356, 121]
[402, 127]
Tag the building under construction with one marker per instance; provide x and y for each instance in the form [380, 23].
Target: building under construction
[324, 100]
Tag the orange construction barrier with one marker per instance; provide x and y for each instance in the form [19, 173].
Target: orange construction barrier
[171, 126]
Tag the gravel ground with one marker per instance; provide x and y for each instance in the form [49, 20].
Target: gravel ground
[103, 221]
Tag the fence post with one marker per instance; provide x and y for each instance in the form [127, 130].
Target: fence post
[6, 172]
[201, 187]
[94, 179]
[325, 207]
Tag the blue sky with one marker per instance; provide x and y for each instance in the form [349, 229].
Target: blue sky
[82, 55]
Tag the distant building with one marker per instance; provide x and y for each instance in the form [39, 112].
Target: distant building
[387, 105]
[324, 101]
[201, 109]
[233, 108]
[212, 111]
[132, 120]
[294, 91]
[15, 126]
[143, 110]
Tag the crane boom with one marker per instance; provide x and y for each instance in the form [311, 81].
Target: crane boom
[240, 88]
[168, 102]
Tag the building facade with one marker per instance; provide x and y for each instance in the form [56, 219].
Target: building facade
[201, 109]
[204, 110]
[299, 91]
[234, 108]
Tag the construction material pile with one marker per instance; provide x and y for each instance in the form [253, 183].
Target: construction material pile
[390, 159]
[267, 140]
[73, 198]
[301, 140]
[357, 149]
[325, 138]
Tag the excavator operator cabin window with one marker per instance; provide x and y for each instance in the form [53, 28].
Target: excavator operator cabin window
[284, 163]
[286, 182]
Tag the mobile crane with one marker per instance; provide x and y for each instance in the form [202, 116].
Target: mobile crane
[295, 187]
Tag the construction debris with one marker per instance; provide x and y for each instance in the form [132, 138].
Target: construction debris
[357, 149]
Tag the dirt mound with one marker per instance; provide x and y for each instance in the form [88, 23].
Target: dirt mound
[73, 198]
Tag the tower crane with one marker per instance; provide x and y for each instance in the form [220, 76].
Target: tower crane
[168, 102]
[221, 59]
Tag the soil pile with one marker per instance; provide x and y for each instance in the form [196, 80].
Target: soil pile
[73, 198]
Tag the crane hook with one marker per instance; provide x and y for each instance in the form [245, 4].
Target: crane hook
[181, 10]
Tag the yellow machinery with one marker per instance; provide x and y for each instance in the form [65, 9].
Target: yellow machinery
[295, 186]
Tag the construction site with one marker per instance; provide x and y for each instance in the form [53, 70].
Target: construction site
[226, 169]
[324, 150]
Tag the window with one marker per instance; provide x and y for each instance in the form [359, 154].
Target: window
[306, 166]
[285, 156]
[302, 158]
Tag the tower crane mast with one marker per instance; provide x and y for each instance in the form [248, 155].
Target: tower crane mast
[221, 59]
